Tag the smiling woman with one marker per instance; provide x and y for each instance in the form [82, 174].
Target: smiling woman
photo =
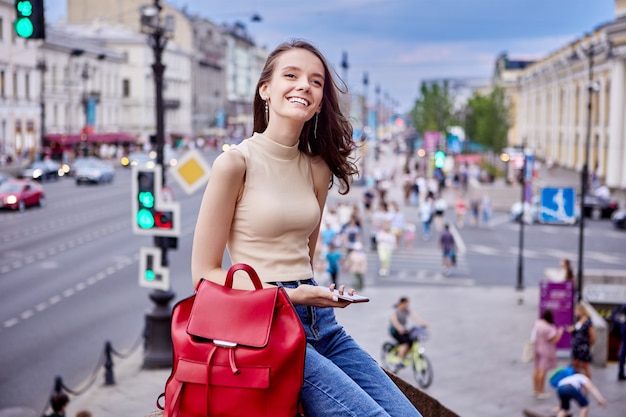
[263, 203]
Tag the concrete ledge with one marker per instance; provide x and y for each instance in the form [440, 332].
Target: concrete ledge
[426, 404]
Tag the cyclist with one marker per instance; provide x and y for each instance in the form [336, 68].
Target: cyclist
[399, 329]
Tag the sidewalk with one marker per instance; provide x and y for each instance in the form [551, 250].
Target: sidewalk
[476, 342]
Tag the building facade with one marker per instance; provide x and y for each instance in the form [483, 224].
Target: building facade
[571, 103]
[118, 25]
[81, 92]
[244, 63]
[20, 121]
[208, 75]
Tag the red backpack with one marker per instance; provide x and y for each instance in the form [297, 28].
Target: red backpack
[236, 352]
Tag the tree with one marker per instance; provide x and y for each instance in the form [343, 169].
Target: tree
[487, 121]
[433, 109]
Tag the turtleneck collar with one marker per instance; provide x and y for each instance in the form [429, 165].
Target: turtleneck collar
[275, 149]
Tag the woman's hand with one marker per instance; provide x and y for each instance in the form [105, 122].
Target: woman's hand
[312, 295]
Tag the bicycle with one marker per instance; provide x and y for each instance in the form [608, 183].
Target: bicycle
[416, 358]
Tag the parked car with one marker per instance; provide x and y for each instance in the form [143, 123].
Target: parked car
[598, 208]
[17, 194]
[43, 170]
[94, 171]
[619, 219]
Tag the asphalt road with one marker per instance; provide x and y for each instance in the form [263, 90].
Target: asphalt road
[69, 283]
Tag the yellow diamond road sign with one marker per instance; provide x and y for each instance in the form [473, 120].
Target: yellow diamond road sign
[192, 171]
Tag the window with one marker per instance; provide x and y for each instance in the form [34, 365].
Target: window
[125, 88]
[15, 85]
[1, 29]
[2, 91]
[27, 85]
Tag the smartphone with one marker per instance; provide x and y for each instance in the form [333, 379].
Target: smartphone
[351, 298]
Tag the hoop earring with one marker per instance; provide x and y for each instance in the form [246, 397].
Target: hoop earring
[315, 126]
[267, 113]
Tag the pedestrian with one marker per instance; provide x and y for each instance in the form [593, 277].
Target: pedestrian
[333, 259]
[426, 216]
[566, 272]
[474, 211]
[573, 387]
[486, 210]
[545, 335]
[58, 403]
[618, 319]
[583, 337]
[409, 235]
[301, 147]
[460, 209]
[440, 206]
[448, 249]
[385, 245]
[356, 264]
[397, 221]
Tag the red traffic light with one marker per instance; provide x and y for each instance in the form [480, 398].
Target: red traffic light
[163, 220]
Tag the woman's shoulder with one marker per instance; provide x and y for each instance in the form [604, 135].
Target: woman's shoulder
[229, 163]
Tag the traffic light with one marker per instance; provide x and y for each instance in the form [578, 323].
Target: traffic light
[30, 22]
[151, 273]
[440, 157]
[151, 215]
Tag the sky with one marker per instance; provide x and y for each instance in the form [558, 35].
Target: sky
[400, 43]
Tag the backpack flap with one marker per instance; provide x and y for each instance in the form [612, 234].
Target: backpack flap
[224, 314]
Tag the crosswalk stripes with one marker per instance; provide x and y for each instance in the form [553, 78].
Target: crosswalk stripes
[419, 265]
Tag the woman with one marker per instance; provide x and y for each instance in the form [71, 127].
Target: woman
[545, 336]
[264, 202]
[583, 337]
[567, 273]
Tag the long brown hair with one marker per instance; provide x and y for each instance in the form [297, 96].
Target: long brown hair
[334, 142]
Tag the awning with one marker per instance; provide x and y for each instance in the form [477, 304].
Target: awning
[91, 137]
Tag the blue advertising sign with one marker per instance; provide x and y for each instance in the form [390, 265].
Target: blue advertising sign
[558, 205]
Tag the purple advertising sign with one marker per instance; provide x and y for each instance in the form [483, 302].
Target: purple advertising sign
[431, 140]
[558, 297]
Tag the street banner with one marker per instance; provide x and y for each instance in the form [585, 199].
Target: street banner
[431, 141]
[558, 297]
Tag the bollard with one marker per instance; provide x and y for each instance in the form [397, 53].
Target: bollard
[58, 384]
[108, 364]
[158, 336]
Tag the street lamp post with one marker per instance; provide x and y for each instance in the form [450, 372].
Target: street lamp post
[520, 256]
[591, 51]
[158, 349]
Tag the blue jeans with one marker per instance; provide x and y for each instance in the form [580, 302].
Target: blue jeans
[567, 393]
[340, 378]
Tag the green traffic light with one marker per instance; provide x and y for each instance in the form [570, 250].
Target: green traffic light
[25, 8]
[24, 27]
[146, 198]
[145, 219]
[149, 275]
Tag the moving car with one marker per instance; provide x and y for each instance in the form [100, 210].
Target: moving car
[148, 159]
[17, 194]
[618, 218]
[42, 170]
[94, 171]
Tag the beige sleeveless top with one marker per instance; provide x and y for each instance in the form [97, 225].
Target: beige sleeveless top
[277, 211]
